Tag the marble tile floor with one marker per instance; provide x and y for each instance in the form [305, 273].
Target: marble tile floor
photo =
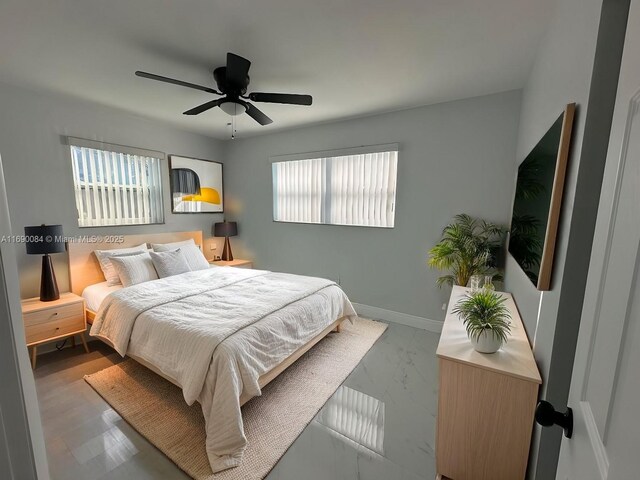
[380, 425]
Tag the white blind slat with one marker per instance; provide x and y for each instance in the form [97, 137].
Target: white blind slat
[115, 179]
[106, 162]
[139, 191]
[88, 218]
[75, 168]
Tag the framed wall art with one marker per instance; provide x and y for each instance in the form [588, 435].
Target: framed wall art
[196, 185]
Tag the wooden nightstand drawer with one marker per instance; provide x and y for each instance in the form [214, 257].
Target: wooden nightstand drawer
[54, 328]
[51, 321]
[53, 314]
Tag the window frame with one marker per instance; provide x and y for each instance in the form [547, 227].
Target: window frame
[118, 149]
[362, 150]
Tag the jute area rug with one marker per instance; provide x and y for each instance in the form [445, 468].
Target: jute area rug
[272, 422]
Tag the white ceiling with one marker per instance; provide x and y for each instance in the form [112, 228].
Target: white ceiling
[356, 57]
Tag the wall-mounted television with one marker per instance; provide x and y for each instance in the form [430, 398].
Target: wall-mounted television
[538, 199]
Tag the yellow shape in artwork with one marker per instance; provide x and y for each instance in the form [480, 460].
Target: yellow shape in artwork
[209, 195]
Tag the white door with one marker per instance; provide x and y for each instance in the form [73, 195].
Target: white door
[605, 387]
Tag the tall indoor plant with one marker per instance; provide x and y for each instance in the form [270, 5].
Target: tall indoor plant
[468, 247]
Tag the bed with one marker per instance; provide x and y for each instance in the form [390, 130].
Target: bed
[220, 334]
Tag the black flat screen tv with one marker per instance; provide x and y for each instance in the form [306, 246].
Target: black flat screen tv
[538, 200]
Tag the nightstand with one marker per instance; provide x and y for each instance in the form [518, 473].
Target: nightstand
[238, 262]
[48, 321]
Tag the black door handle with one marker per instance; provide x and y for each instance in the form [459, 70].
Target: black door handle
[547, 416]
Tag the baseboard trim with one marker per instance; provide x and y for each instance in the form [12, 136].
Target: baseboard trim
[377, 313]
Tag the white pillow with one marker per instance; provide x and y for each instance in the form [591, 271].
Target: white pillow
[104, 257]
[169, 263]
[133, 269]
[192, 253]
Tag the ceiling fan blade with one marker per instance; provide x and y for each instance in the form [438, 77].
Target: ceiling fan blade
[237, 69]
[204, 107]
[288, 98]
[257, 115]
[160, 78]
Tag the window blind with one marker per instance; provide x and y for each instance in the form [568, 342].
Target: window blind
[358, 189]
[116, 187]
[300, 187]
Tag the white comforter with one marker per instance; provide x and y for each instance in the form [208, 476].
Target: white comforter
[215, 332]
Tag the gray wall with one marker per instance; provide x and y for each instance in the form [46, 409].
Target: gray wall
[561, 74]
[37, 166]
[578, 61]
[454, 157]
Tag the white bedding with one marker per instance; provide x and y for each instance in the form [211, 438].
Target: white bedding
[94, 294]
[215, 332]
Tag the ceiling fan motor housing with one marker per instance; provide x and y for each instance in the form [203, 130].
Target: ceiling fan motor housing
[231, 89]
[233, 80]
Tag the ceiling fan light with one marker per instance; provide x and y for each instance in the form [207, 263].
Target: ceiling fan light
[233, 108]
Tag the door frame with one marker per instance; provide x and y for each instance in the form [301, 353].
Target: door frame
[607, 285]
[598, 115]
[20, 424]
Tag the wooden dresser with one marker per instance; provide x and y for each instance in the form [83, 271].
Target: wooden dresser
[486, 402]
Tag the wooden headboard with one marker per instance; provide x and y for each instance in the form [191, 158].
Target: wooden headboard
[84, 269]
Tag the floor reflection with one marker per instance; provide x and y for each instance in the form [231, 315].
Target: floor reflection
[357, 416]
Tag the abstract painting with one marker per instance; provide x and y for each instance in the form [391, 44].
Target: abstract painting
[196, 185]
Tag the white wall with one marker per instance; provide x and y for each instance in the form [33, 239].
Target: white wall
[38, 166]
[454, 157]
[578, 61]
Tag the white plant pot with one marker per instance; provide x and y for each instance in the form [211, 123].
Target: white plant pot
[486, 343]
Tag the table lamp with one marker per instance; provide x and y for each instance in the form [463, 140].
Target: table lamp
[226, 230]
[43, 240]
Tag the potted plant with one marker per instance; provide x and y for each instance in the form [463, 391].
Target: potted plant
[468, 247]
[486, 318]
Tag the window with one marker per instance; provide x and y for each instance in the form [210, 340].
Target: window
[116, 185]
[351, 187]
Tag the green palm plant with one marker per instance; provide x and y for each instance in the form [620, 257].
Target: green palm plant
[484, 311]
[529, 185]
[525, 243]
[468, 247]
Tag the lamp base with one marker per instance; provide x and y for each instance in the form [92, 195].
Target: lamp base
[48, 285]
[227, 256]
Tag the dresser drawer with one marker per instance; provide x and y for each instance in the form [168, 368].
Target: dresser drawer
[54, 328]
[53, 314]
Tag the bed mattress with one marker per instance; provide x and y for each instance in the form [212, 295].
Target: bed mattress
[94, 294]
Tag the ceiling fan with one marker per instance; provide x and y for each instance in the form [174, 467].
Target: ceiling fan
[232, 81]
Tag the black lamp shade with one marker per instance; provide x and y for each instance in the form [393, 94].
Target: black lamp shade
[225, 229]
[44, 239]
